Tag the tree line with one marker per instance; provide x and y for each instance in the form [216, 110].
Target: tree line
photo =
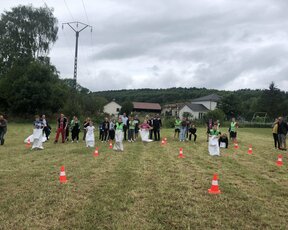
[30, 84]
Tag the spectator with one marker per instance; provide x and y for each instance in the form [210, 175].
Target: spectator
[3, 129]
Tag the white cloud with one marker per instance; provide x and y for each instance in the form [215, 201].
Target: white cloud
[157, 44]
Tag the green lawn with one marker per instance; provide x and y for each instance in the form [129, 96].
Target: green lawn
[145, 187]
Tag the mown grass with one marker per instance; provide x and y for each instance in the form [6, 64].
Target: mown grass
[145, 187]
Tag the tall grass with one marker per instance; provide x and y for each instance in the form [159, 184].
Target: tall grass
[145, 187]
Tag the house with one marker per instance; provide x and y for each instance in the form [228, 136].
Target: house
[196, 107]
[146, 107]
[196, 110]
[209, 101]
[171, 109]
[112, 108]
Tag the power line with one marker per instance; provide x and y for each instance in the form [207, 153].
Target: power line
[69, 10]
[85, 11]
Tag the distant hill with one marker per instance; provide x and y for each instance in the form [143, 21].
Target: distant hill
[170, 95]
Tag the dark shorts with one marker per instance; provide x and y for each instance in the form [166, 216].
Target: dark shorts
[177, 130]
[233, 134]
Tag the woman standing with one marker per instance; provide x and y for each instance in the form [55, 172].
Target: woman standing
[75, 129]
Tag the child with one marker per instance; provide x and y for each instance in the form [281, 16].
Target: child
[131, 129]
[213, 145]
[177, 124]
[90, 140]
[37, 133]
[192, 131]
[136, 122]
[223, 141]
[119, 135]
[144, 131]
[75, 129]
[112, 129]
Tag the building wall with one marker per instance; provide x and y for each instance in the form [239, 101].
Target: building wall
[188, 110]
[112, 108]
[211, 105]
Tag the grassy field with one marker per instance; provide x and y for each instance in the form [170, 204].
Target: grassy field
[145, 187]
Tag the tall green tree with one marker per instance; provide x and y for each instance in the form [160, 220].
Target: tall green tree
[272, 101]
[26, 33]
[33, 89]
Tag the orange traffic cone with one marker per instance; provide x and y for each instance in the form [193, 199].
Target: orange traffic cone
[214, 187]
[96, 154]
[62, 177]
[181, 153]
[250, 150]
[163, 142]
[279, 161]
[110, 145]
[28, 144]
[236, 146]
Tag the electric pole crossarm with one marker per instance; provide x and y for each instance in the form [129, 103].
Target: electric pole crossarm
[75, 29]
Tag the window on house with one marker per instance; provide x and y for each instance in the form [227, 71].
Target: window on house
[200, 115]
[117, 109]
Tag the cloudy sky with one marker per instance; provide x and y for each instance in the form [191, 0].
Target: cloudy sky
[220, 44]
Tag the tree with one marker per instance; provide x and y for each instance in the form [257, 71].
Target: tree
[127, 107]
[33, 89]
[271, 101]
[26, 33]
[216, 114]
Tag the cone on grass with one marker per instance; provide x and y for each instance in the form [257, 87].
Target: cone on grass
[96, 153]
[62, 177]
[163, 142]
[279, 161]
[110, 145]
[250, 151]
[214, 187]
[28, 144]
[236, 146]
[181, 153]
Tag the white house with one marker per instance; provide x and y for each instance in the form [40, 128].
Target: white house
[112, 108]
[209, 101]
[196, 110]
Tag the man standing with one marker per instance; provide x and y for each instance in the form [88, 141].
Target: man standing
[124, 119]
[156, 127]
[3, 129]
[282, 132]
[61, 128]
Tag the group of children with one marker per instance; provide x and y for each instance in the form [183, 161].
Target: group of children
[110, 130]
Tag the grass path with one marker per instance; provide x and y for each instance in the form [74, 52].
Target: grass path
[145, 187]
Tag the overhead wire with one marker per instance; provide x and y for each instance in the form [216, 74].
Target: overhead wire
[69, 10]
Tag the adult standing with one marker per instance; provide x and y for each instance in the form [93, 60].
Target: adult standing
[62, 123]
[183, 127]
[137, 123]
[282, 132]
[124, 119]
[3, 129]
[150, 123]
[275, 134]
[177, 124]
[157, 123]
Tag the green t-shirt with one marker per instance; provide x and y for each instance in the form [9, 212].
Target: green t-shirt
[119, 126]
[131, 124]
[177, 124]
[214, 132]
[233, 126]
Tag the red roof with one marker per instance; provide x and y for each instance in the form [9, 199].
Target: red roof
[148, 106]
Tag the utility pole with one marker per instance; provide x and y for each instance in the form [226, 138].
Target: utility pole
[77, 27]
